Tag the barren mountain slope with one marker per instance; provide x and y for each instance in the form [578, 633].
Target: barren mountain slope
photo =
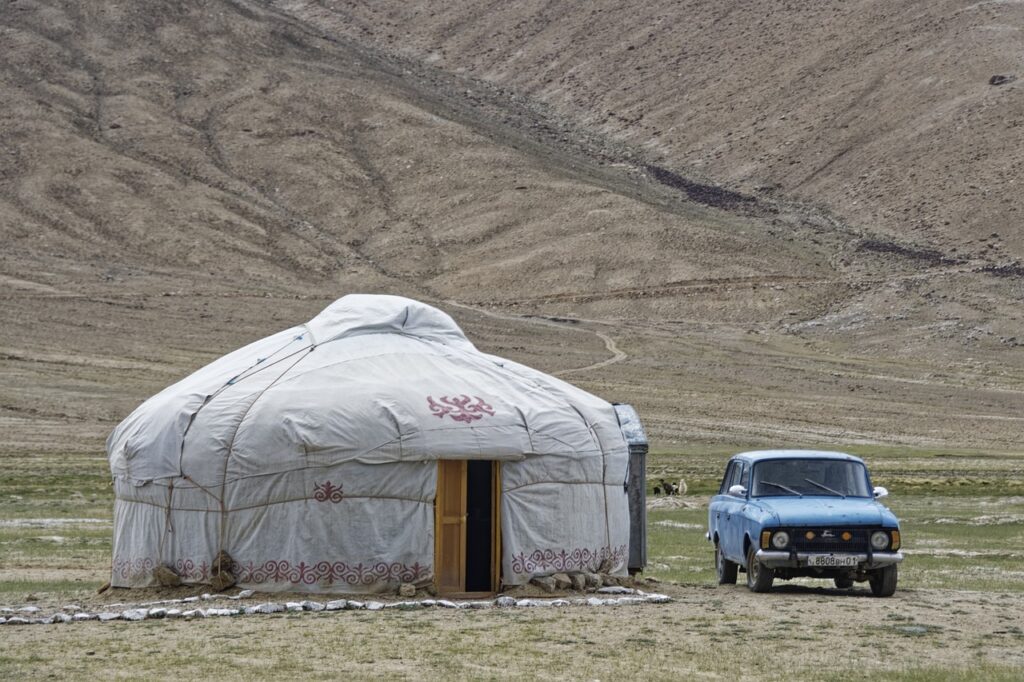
[882, 111]
[178, 178]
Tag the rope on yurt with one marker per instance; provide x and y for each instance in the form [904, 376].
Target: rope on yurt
[260, 365]
[231, 382]
[526, 427]
[168, 522]
[604, 475]
[231, 446]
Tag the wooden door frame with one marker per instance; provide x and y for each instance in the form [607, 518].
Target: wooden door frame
[495, 525]
[496, 548]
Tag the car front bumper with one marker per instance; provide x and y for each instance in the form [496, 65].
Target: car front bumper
[773, 559]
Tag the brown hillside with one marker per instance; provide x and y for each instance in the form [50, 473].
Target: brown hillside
[177, 178]
[883, 112]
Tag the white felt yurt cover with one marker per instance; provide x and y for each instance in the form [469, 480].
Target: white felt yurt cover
[310, 457]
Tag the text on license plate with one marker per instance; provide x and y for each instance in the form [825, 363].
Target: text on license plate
[831, 560]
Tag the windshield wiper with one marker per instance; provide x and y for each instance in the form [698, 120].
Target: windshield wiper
[825, 487]
[779, 485]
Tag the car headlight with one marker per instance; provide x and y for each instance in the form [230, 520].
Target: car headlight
[879, 540]
[780, 540]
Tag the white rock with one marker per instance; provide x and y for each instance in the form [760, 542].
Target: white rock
[293, 606]
[615, 589]
[478, 604]
[659, 598]
[206, 596]
[108, 615]
[82, 615]
[594, 601]
[505, 601]
[560, 602]
[2, 620]
[29, 609]
[61, 618]
[374, 606]
[189, 600]
[17, 620]
[158, 612]
[134, 614]
[71, 607]
[544, 602]
[312, 606]
[195, 613]
[525, 603]
[173, 613]
[403, 605]
[447, 604]
[429, 602]
[222, 612]
[336, 605]
[355, 605]
[269, 607]
[244, 594]
[48, 620]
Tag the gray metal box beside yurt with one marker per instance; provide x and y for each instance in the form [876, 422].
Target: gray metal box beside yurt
[636, 484]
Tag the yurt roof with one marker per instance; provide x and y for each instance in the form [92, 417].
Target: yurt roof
[372, 378]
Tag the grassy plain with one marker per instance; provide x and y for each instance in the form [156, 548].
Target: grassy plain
[957, 615]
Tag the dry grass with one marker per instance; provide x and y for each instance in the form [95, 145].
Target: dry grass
[956, 616]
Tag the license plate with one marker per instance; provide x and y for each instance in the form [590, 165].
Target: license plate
[831, 560]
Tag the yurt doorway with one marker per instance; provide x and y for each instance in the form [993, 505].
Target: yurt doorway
[467, 550]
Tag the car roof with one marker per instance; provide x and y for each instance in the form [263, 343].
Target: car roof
[760, 455]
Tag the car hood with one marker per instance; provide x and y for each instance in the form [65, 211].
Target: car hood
[827, 511]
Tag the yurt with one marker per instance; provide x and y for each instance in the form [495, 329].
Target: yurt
[372, 446]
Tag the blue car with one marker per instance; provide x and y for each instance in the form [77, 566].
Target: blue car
[803, 513]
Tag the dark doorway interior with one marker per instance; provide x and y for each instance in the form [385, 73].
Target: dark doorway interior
[478, 526]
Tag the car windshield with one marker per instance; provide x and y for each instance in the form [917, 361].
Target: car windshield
[840, 478]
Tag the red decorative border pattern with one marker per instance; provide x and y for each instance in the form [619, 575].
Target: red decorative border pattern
[132, 569]
[329, 572]
[189, 570]
[283, 571]
[577, 559]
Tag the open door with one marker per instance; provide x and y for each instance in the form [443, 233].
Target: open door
[467, 549]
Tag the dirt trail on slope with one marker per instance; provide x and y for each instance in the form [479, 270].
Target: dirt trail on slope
[183, 179]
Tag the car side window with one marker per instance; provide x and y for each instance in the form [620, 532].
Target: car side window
[727, 478]
[745, 477]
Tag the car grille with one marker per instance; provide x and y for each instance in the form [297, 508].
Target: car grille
[858, 543]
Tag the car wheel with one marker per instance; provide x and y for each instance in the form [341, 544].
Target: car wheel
[844, 582]
[759, 576]
[883, 581]
[726, 569]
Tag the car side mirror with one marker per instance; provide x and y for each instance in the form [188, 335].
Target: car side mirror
[737, 490]
[880, 492]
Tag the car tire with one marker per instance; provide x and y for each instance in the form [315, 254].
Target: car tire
[883, 581]
[759, 576]
[843, 582]
[725, 569]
